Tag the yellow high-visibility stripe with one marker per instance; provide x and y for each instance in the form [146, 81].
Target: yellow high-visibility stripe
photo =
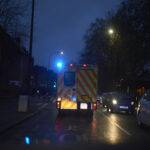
[84, 85]
[90, 72]
[89, 82]
[95, 81]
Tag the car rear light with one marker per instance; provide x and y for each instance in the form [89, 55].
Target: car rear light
[58, 104]
[95, 106]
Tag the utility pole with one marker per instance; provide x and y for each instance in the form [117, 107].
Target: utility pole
[30, 50]
[24, 100]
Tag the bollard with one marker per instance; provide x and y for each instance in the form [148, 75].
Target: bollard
[23, 103]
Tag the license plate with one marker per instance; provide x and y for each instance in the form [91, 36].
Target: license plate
[83, 106]
[124, 107]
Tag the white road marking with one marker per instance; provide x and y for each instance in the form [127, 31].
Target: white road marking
[44, 105]
[54, 100]
[117, 125]
[38, 104]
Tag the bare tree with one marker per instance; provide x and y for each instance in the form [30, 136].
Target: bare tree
[12, 14]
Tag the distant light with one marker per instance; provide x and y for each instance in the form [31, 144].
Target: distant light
[54, 86]
[27, 140]
[84, 65]
[61, 52]
[71, 65]
[110, 31]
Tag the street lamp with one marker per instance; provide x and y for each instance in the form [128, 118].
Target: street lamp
[110, 31]
[61, 53]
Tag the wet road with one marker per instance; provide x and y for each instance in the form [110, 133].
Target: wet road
[105, 130]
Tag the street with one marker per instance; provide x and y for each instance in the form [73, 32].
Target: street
[104, 129]
[66, 70]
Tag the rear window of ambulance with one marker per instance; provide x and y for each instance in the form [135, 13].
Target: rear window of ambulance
[69, 78]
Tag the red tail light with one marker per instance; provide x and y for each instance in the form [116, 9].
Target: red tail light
[95, 106]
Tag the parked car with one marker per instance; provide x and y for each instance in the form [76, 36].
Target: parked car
[143, 110]
[121, 102]
[105, 98]
[98, 98]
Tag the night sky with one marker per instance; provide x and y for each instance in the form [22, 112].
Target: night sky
[61, 24]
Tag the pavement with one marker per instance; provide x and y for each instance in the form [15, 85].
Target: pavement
[9, 115]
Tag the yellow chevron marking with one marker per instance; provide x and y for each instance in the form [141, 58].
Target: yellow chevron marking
[84, 98]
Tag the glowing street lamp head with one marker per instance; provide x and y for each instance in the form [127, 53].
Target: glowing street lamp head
[110, 31]
[61, 52]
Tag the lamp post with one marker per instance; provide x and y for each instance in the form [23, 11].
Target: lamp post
[30, 50]
[24, 97]
[114, 36]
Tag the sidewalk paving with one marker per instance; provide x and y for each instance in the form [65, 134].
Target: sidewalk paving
[9, 115]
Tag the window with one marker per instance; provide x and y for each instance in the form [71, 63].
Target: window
[69, 78]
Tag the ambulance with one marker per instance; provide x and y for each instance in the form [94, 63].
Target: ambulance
[77, 88]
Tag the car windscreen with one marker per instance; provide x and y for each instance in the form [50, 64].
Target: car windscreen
[69, 78]
[127, 98]
[117, 96]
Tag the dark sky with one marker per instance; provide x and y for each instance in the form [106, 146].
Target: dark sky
[61, 24]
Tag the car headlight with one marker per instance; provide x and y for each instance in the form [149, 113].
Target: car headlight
[132, 103]
[114, 101]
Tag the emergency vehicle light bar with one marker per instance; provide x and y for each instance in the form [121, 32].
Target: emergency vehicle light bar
[81, 65]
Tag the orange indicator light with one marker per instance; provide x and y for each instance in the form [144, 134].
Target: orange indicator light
[84, 65]
[95, 106]
[58, 104]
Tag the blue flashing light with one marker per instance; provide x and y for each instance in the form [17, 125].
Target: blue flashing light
[74, 99]
[27, 140]
[59, 64]
[54, 86]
